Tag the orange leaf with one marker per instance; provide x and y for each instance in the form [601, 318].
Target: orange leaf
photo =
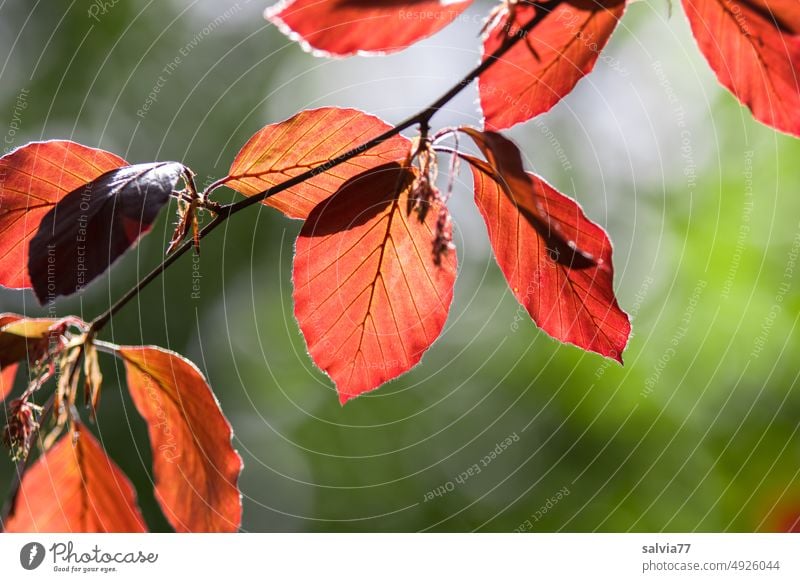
[347, 27]
[540, 69]
[7, 376]
[22, 337]
[33, 179]
[196, 469]
[556, 261]
[367, 294]
[8, 367]
[75, 488]
[309, 140]
[754, 48]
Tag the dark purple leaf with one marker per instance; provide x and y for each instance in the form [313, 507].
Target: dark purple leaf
[95, 224]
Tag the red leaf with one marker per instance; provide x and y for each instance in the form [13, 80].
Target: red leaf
[367, 294]
[308, 140]
[556, 261]
[22, 337]
[8, 368]
[75, 488]
[196, 469]
[7, 376]
[92, 226]
[32, 179]
[539, 70]
[754, 48]
[347, 27]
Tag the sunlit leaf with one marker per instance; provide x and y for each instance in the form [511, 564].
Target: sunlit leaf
[347, 27]
[8, 367]
[32, 179]
[21, 337]
[195, 466]
[548, 62]
[309, 140]
[367, 294]
[93, 377]
[75, 488]
[754, 48]
[556, 261]
[8, 374]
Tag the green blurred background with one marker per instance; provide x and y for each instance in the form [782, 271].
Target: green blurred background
[697, 432]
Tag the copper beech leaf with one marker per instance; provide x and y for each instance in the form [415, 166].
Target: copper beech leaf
[33, 179]
[8, 365]
[7, 376]
[347, 27]
[75, 488]
[556, 261]
[195, 467]
[367, 294]
[92, 226]
[309, 140]
[545, 65]
[22, 337]
[753, 46]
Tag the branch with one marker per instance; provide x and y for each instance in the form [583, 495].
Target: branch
[223, 212]
[422, 118]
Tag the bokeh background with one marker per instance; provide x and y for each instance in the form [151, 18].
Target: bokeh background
[699, 429]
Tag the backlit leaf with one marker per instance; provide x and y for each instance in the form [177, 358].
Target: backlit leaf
[95, 224]
[21, 337]
[195, 467]
[8, 368]
[540, 69]
[347, 27]
[309, 140]
[556, 261]
[753, 46]
[93, 377]
[367, 294]
[75, 488]
[7, 376]
[32, 179]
